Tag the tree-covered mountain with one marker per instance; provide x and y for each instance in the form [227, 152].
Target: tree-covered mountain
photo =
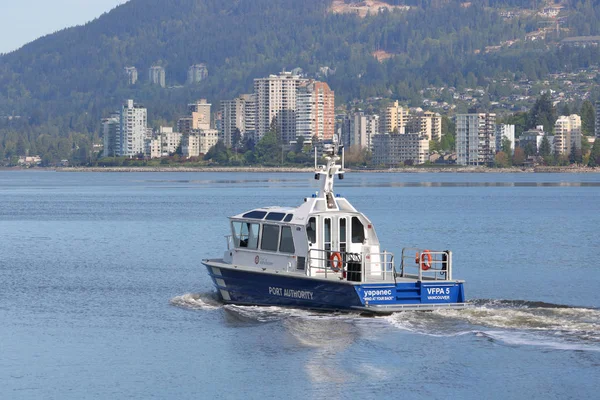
[63, 84]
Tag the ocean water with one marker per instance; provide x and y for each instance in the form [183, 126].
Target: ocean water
[102, 293]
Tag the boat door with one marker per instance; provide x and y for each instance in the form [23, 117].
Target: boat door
[334, 237]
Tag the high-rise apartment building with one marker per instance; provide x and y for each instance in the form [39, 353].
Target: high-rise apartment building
[133, 129]
[276, 103]
[156, 75]
[475, 138]
[110, 134]
[358, 131]
[505, 131]
[237, 114]
[396, 118]
[372, 129]
[132, 75]
[198, 117]
[428, 124]
[567, 134]
[197, 73]
[315, 114]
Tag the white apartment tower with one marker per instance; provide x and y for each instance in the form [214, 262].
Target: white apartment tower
[133, 129]
[197, 73]
[475, 138]
[132, 75]
[276, 103]
[156, 75]
[567, 134]
[505, 131]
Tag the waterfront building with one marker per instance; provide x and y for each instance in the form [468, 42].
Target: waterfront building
[169, 140]
[132, 75]
[533, 139]
[198, 142]
[567, 134]
[236, 114]
[315, 115]
[153, 146]
[276, 103]
[426, 123]
[396, 118]
[372, 129]
[110, 134]
[197, 73]
[358, 131]
[198, 117]
[505, 131]
[475, 138]
[394, 149]
[156, 75]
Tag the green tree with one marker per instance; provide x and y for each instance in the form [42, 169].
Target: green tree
[594, 160]
[542, 113]
[588, 118]
[267, 150]
[545, 149]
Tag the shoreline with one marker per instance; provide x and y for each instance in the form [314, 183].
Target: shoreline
[412, 170]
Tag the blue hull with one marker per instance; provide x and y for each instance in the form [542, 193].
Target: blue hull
[258, 288]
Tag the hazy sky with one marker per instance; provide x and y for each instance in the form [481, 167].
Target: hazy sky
[22, 21]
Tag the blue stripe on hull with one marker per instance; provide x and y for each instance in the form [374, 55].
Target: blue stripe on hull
[244, 287]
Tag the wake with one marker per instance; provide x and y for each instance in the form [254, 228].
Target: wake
[512, 322]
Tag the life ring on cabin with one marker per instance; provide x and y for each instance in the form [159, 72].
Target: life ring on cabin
[424, 260]
[335, 260]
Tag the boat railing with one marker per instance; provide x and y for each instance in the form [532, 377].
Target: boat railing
[426, 264]
[356, 267]
[229, 239]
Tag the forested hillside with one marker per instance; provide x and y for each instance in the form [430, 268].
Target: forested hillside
[62, 85]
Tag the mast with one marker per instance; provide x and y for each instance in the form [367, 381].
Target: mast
[329, 171]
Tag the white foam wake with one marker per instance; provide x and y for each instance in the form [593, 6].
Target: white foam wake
[197, 301]
[511, 322]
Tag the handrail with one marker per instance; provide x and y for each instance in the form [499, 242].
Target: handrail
[374, 267]
[440, 267]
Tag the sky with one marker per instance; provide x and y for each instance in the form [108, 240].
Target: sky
[22, 21]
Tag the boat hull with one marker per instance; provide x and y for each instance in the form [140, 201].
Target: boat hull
[247, 287]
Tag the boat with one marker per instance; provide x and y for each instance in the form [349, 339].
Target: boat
[326, 255]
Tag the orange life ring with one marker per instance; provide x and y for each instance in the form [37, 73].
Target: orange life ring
[335, 260]
[420, 259]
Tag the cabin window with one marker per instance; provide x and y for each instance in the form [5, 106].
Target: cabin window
[311, 230]
[255, 214]
[288, 218]
[270, 237]
[287, 241]
[358, 231]
[275, 216]
[245, 235]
